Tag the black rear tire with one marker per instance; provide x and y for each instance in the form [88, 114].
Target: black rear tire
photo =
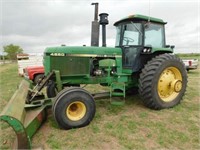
[73, 108]
[163, 82]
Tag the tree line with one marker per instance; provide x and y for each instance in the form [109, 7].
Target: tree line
[11, 51]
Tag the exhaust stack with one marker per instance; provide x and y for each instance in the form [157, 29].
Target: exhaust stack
[103, 21]
[95, 27]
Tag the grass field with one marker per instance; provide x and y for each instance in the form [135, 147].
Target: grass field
[131, 126]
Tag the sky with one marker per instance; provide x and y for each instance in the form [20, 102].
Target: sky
[37, 24]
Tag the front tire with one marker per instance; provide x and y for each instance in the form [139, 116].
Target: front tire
[73, 108]
[163, 82]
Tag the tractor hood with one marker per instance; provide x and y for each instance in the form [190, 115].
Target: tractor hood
[83, 51]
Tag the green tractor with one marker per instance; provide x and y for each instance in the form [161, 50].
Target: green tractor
[140, 59]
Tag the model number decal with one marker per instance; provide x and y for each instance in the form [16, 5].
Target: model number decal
[57, 54]
[84, 55]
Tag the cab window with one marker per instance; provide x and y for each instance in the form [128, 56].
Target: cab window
[154, 35]
[132, 34]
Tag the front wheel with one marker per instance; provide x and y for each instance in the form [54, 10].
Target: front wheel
[163, 82]
[73, 108]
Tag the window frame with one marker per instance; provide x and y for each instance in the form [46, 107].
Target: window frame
[163, 34]
[120, 44]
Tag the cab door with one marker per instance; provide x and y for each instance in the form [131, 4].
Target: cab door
[131, 57]
[131, 44]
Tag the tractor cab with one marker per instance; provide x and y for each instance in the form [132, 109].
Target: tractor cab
[138, 35]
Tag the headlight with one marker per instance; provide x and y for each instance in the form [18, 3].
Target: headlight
[146, 50]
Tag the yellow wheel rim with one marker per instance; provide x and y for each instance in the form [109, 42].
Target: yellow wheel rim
[169, 84]
[76, 111]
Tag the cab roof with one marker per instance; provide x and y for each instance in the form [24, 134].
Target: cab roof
[138, 17]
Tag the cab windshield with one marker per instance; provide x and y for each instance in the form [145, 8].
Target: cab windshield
[131, 34]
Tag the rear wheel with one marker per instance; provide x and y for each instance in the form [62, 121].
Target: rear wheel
[163, 82]
[73, 108]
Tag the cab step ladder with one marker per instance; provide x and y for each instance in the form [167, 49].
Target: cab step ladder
[117, 93]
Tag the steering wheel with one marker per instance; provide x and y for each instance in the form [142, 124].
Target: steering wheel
[128, 39]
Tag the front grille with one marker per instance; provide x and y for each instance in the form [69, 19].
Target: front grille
[70, 66]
